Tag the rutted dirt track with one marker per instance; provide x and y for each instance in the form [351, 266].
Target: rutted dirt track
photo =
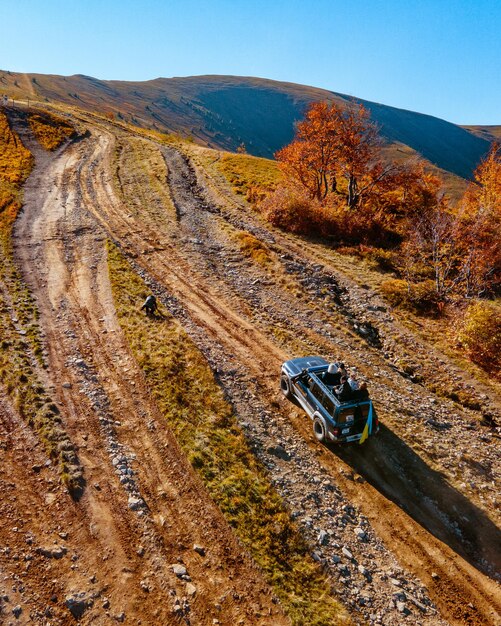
[426, 543]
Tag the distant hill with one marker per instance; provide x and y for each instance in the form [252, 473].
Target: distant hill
[227, 111]
[491, 133]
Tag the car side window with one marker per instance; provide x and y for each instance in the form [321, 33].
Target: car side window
[328, 405]
[323, 399]
[315, 390]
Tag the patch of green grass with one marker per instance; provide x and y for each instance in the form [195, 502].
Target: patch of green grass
[249, 176]
[195, 408]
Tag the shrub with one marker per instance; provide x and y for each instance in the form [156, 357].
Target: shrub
[416, 297]
[253, 248]
[357, 227]
[386, 260]
[425, 297]
[293, 211]
[396, 291]
[480, 335]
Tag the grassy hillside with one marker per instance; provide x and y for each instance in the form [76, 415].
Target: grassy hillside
[490, 133]
[226, 111]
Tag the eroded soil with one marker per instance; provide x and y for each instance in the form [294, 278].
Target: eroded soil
[407, 525]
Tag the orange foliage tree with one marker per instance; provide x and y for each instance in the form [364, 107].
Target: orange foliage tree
[336, 157]
[481, 228]
[462, 247]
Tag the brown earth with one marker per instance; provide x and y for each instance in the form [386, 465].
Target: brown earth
[430, 514]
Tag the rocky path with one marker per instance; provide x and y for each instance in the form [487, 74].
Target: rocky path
[197, 270]
[391, 466]
[137, 525]
[390, 520]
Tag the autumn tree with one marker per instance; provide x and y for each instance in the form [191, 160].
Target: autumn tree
[481, 227]
[434, 245]
[310, 160]
[337, 151]
[461, 246]
[336, 157]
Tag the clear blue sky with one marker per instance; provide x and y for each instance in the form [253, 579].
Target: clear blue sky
[441, 57]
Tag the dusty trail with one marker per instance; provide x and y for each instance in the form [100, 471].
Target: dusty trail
[396, 471]
[159, 255]
[142, 503]
[71, 205]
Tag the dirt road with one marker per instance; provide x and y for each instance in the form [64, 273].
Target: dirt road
[130, 540]
[413, 541]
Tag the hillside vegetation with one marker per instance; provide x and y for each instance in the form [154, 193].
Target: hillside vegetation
[227, 111]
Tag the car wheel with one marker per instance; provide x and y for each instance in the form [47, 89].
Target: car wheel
[285, 386]
[319, 430]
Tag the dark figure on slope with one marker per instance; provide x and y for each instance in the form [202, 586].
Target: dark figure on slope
[344, 392]
[150, 305]
[332, 377]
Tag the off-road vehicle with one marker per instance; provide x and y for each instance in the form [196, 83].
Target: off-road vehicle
[355, 419]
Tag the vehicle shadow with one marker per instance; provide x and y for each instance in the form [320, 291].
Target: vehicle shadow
[394, 469]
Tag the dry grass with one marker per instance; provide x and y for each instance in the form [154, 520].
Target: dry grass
[50, 130]
[253, 248]
[16, 161]
[140, 179]
[195, 408]
[15, 165]
[249, 176]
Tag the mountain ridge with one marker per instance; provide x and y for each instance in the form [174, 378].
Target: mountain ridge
[225, 112]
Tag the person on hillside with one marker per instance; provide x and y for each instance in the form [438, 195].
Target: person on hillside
[332, 377]
[352, 380]
[150, 305]
[344, 391]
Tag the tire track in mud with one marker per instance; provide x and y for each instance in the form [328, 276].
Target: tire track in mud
[422, 481]
[229, 333]
[61, 248]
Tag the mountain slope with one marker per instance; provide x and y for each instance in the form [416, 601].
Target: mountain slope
[226, 111]
[491, 133]
[407, 524]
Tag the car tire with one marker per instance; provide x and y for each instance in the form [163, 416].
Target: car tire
[285, 386]
[319, 430]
